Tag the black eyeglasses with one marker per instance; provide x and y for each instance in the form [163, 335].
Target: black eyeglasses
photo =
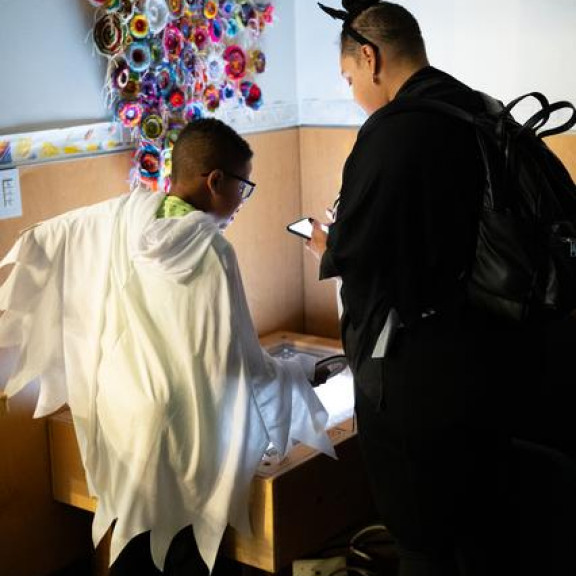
[246, 187]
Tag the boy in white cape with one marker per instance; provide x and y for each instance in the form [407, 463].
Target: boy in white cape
[132, 312]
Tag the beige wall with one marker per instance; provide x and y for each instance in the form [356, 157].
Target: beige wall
[323, 152]
[298, 172]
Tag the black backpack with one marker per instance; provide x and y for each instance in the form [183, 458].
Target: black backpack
[525, 258]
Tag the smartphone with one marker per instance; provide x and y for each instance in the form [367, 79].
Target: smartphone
[303, 228]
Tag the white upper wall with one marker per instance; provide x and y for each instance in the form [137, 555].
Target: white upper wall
[503, 47]
[50, 75]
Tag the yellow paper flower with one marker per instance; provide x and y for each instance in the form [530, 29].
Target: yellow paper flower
[49, 150]
[139, 26]
[22, 148]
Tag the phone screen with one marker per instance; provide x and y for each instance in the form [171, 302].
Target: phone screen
[303, 228]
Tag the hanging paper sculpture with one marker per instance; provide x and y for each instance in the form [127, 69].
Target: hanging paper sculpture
[174, 61]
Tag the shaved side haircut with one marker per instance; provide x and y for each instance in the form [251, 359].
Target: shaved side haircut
[205, 145]
[388, 25]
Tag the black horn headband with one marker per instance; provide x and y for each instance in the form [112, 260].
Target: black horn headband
[348, 17]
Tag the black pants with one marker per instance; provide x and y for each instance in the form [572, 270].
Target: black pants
[449, 478]
[183, 558]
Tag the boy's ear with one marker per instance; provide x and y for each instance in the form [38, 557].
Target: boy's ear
[214, 181]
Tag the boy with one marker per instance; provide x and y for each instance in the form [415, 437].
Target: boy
[132, 312]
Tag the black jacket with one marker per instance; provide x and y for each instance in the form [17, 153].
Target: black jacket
[406, 220]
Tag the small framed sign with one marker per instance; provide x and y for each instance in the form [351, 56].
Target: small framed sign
[10, 198]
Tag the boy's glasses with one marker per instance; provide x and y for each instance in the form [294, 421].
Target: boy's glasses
[246, 186]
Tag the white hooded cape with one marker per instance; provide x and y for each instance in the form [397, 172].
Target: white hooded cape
[141, 326]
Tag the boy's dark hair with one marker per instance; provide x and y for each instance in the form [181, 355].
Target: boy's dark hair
[206, 144]
[386, 24]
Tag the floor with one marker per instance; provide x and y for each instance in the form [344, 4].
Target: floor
[376, 545]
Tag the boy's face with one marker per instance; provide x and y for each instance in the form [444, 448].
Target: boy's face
[227, 193]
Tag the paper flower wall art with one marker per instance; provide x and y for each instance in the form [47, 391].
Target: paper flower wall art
[174, 61]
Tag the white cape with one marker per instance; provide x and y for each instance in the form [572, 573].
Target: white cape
[141, 326]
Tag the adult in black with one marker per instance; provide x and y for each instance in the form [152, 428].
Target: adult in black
[441, 388]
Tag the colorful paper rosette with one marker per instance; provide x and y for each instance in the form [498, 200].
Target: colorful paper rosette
[258, 61]
[173, 41]
[185, 25]
[174, 128]
[193, 111]
[165, 78]
[214, 67]
[109, 34]
[166, 170]
[235, 62]
[174, 61]
[176, 100]
[148, 159]
[138, 57]
[227, 8]
[188, 59]
[126, 9]
[246, 13]
[232, 28]
[252, 94]
[152, 127]
[114, 5]
[175, 7]
[211, 9]
[216, 29]
[158, 14]
[149, 93]
[195, 8]
[211, 98]
[228, 92]
[132, 89]
[139, 26]
[156, 52]
[201, 37]
[120, 75]
[129, 113]
[268, 14]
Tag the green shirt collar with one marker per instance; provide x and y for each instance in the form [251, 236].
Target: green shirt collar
[173, 207]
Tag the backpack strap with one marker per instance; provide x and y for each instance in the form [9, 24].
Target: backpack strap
[493, 109]
[540, 119]
[562, 105]
[538, 95]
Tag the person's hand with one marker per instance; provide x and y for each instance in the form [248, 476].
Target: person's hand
[317, 244]
[329, 367]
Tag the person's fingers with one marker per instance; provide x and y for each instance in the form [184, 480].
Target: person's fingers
[316, 224]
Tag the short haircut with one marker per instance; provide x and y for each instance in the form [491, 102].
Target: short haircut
[388, 25]
[206, 144]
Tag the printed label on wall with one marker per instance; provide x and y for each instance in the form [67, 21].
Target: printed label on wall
[10, 200]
